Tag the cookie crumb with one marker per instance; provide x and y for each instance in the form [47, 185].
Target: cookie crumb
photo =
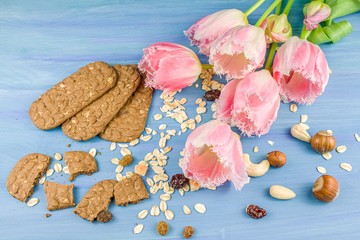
[47, 215]
[68, 145]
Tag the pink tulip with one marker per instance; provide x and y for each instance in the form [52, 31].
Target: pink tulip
[239, 51]
[315, 12]
[203, 32]
[213, 155]
[169, 66]
[251, 104]
[301, 69]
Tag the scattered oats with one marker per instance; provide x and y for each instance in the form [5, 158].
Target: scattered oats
[186, 210]
[145, 138]
[112, 146]
[163, 206]
[198, 101]
[148, 130]
[271, 143]
[138, 228]
[303, 118]
[162, 142]
[148, 156]
[357, 137]
[57, 167]
[213, 107]
[32, 202]
[154, 189]
[179, 133]
[198, 118]
[256, 149]
[157, 116]
[119, 169]
[202, 104]
[150, 182]
[123, 145]
[66, 170]
[42, 180]
[181, 192]
[49, 172]
[341, 148]
[200, 110]
[293, 107]
[142, 214]
[200, 208]
[161, 185]
[155, 211]
[119, 177]
[183, 101]
[182, 153]
[158, 169]
[134, 142]
[330, 131]
[167, 149]
[215, 85]
[115, 161]
[154, 132]
[92, 152]
[197, 85]
[169, 215]
[346, 166]
[57, 156]
[165, 197]
[171, 132]
[128, 174]
[186, 187]
[212, 187]
[125, 151]
[163, 176]
[154, 163]
[321, 170]
[327, 155]
[162, 126]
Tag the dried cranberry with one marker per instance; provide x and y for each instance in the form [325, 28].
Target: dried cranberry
[212, 95]
[104, 216]
[255, 211]
[178, 181]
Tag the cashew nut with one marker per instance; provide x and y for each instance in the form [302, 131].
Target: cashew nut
[299, 131]
[255, 170]
[281, 192]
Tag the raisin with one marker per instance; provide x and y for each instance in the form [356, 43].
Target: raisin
[178, 181]
[104, 216]
[188, 232]
[212, 95]
[162, 228]
[255, 211]
[126, 160]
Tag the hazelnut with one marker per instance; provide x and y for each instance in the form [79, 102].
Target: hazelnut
[323, 142]
[276, 158]
[326, 188]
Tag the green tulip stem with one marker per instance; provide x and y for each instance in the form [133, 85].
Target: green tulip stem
[304, 33]
[254, 7]
[278, 8]
[267, 12]
[270, 58]
[288, 7]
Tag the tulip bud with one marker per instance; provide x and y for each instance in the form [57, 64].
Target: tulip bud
[315, 12]
[277, 28]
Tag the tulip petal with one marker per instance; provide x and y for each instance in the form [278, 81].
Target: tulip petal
[225, 103]
[213, 155]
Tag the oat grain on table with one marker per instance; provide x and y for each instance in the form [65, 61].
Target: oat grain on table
[26, 174]
[93, 119]
[69, 96]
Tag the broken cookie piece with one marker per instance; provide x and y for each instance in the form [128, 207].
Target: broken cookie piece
[80, 162]
[96, 200]
[26, 174]
[130, 190]
[59, 196]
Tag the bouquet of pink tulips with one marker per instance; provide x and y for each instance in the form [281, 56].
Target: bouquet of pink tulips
[250, 100]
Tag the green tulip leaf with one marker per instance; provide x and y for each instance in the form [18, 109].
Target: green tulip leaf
[331, 33]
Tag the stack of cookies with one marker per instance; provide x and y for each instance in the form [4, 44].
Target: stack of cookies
[98, 99]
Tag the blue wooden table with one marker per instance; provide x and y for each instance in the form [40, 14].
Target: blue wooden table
[41, 42]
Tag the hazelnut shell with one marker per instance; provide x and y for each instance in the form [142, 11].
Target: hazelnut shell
[276, 158]
[326, 188]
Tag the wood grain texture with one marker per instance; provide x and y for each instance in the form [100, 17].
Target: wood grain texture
[42, 42]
